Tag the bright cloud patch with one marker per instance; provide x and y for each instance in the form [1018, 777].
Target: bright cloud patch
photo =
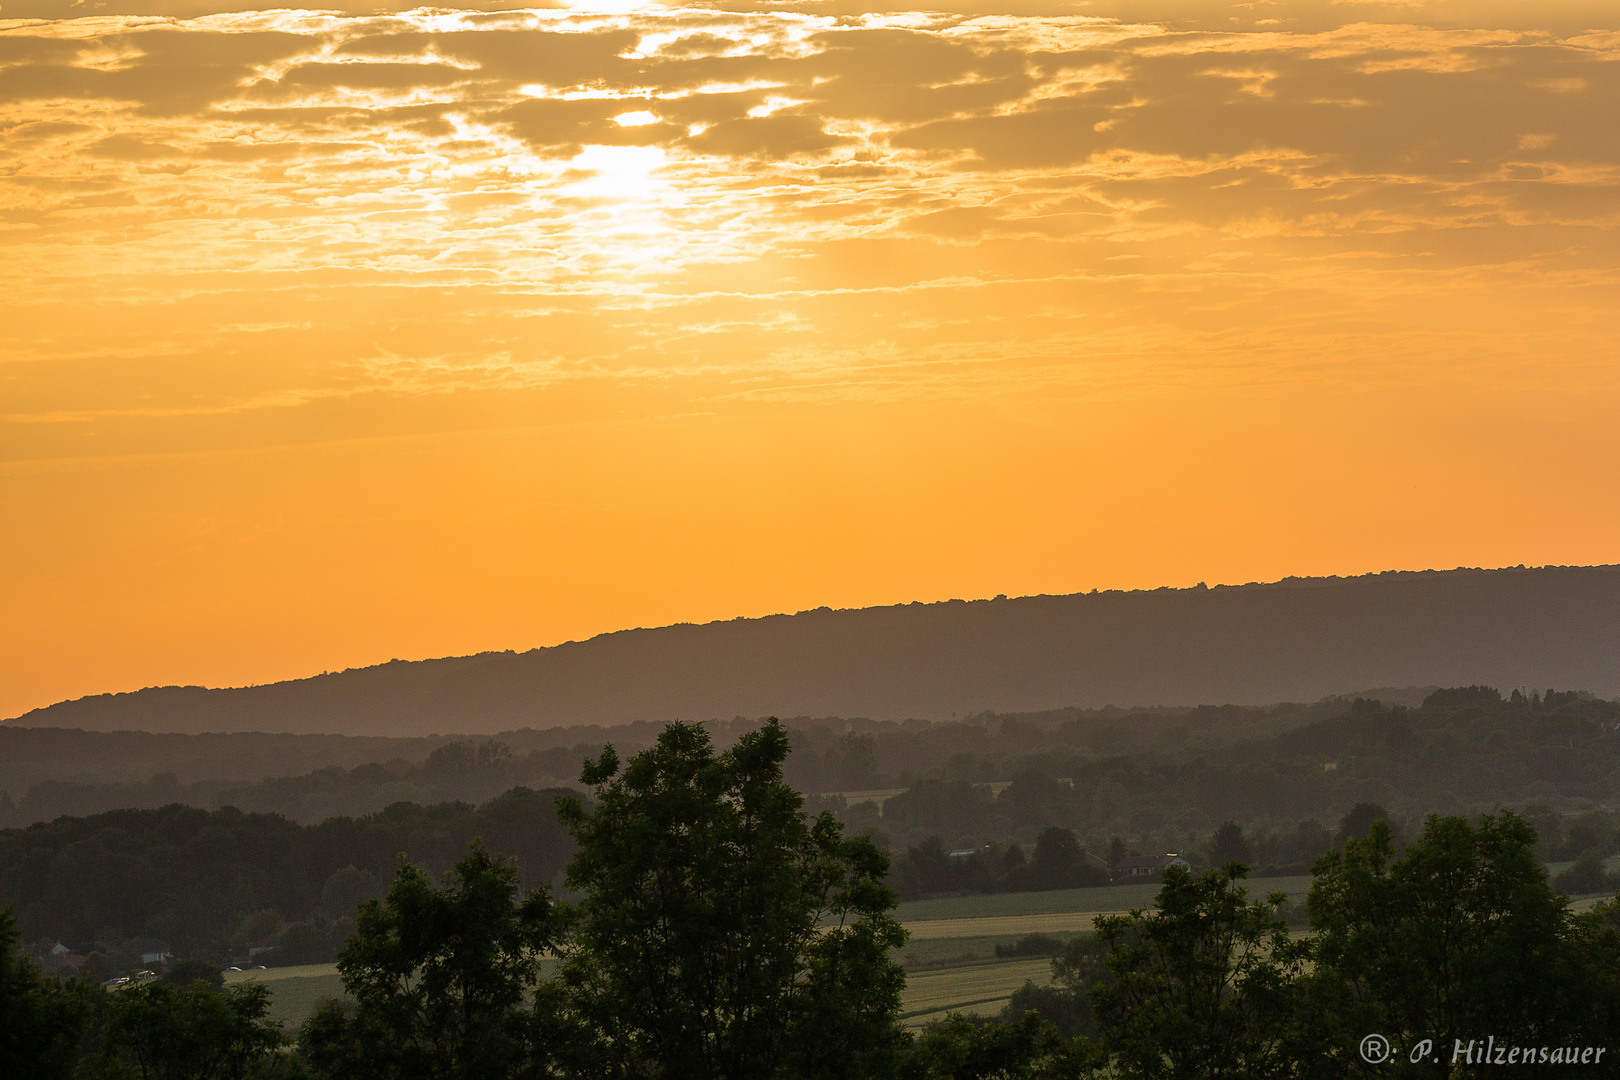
[712, 180]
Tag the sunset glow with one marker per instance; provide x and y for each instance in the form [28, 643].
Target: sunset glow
[333, 337]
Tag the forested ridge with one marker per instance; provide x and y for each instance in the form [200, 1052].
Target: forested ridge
[213, 884]
[1293, 640]
[1128, 769]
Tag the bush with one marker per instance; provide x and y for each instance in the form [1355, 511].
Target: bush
[1031, 945]
[1066, 1010]
[1588, 875]
[187, 972]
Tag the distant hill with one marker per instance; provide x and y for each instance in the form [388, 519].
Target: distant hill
[1299, 639]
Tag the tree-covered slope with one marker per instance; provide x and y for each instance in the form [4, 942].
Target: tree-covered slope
[1296, 640]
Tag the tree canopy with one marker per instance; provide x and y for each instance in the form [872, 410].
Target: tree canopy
[443, 981]
[722, 933]
[713, 928]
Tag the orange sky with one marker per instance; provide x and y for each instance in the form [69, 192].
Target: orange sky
[330, 338]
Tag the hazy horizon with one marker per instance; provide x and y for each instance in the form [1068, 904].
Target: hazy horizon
[1299, 640]
[309, 675]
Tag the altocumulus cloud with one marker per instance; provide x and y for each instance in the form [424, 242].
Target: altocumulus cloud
[777, 202]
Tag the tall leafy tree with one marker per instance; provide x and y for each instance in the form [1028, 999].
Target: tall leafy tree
[41, 1021]
[159, 1031]
[723, 934]
[1202, 985]
[958, 1048]
[1229, 845]
[1461, 938]
[445, 982]
[1066, 1004]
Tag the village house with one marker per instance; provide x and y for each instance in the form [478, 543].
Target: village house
[1148, 865]
[59, 959]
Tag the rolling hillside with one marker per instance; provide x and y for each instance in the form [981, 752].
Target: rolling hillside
[1294, 640]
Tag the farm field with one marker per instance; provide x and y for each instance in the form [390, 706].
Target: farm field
[950, 960]
[883, 795]
[920, 954]
[1005, 926]
[276, 974]
[981, 988]
[295, 992]
[1065, 901]
[975, 986]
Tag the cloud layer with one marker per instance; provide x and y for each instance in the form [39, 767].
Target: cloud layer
[700, 193]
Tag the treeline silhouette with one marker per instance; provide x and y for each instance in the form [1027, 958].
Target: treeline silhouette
[1294, 640]
[713, 929]
[46, 772]
[216, 883]
[1176, 771]
[52, 772]
[1461, 750]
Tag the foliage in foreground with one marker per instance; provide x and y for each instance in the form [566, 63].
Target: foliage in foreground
[723, 934]
[720, 932]
[442, 981]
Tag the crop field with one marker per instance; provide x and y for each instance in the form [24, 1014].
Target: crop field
[972, 988]
[974, 985]
[295, 992]
[950, 960]
[1004, 926]
[918, 954]
[276, 974]
[1063, 901]
[883, 795]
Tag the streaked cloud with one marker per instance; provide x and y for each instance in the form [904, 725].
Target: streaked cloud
[639, 157]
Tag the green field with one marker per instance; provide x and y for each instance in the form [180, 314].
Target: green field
[974, 984]
[1065, 901]
[950, 960]
[919, 955]
[971, 988]
[883, 795]
[295, 992]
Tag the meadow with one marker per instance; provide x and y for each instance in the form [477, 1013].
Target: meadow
[295, 992]
[950, 959]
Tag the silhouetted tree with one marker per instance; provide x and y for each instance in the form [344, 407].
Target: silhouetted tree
[1058, 862]
[722, 934]
[186, 972]
[1358, 822]
[1229, 845]
[157, 1031]
[1203, 984]
[1066, 1004]
[1460, 938]
[1029, 1048]
[1588, 875]
[40, 1020]
[445, 982]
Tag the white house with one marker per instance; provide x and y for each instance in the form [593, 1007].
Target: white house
[1149, 865]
